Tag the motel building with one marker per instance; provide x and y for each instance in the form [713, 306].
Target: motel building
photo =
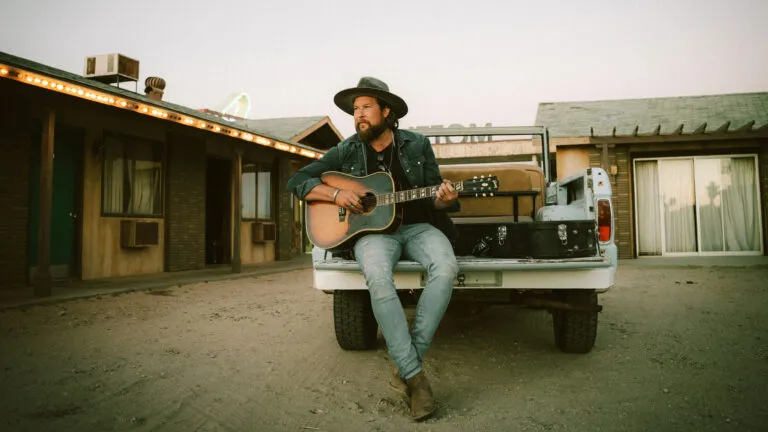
[689, 174]
[98, 181]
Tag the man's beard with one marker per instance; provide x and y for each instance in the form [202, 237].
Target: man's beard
[372, 132]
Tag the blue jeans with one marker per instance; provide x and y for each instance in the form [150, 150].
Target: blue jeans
[377, 255]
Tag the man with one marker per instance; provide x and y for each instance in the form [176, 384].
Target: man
[408, 157]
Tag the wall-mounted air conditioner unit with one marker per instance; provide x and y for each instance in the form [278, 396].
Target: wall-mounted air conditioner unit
[111, 68]
[263, 232]
[138, 234]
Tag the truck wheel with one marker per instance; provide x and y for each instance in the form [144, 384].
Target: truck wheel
[353, 320]
[575, 331]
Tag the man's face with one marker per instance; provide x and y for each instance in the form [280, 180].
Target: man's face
[369, 118]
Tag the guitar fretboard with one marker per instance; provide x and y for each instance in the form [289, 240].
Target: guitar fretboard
[412, 194]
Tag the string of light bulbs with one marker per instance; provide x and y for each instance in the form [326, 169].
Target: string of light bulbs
[82, 92]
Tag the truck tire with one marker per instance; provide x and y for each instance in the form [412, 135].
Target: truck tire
[353, 320]
[575, 331]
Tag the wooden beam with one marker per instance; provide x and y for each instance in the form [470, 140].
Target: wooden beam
[42, 278]
[723, 128]
[678, 130]
[699, 145]
[746, 127]
[637, 128]
[657, 131]
[701, 129]
[744, 136]
[237, 188]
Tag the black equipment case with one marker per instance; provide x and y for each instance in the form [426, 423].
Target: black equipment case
[537, 240]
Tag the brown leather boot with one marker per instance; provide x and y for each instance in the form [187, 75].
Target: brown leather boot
[398, 384]
[422, 402]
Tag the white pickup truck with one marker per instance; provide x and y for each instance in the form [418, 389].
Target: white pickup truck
[562, 255]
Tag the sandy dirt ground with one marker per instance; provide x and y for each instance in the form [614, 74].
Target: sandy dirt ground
[678, 349]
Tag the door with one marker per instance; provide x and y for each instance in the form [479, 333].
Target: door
[65, 202]
[218, 215]
[701, 205]
[729, 205]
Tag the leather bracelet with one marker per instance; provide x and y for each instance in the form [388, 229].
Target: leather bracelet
[335, 194]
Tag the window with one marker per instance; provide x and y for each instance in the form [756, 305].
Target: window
[698, 205]
[133, 177]
[257, 193]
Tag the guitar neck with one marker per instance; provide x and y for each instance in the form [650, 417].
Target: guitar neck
[413, 194]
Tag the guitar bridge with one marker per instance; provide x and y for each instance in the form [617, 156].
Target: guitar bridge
[342, 213]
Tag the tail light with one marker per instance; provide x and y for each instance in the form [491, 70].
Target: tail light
[604, 220]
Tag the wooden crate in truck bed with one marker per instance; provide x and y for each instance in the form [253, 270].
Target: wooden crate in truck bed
[519, 183]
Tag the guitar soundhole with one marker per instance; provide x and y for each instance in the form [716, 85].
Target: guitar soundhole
[369, 202]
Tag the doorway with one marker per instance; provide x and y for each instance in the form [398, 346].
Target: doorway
[700, 205]
[66, 201]
[218, 212]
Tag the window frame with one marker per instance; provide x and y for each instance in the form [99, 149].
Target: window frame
[158, 152]
[256, 168]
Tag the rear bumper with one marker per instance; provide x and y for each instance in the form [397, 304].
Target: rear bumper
[477, 273]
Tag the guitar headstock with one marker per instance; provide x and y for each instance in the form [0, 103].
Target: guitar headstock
[481, 185]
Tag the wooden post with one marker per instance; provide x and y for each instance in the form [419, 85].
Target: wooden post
[42, 278]
[237, 188]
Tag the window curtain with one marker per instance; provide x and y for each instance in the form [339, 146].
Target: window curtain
[144, 179]
[114, 169]
[264, 195]
[249, 195]
[709, 187]
[677, 193]
[740, 210]
[648, 222]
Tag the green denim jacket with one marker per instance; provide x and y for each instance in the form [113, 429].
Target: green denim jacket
[349, 156]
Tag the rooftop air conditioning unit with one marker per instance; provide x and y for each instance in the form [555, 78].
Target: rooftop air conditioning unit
[111, 68]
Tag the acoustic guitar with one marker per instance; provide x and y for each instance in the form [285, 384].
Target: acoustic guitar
[332, 227]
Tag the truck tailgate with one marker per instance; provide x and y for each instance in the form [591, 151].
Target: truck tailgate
[481, 273]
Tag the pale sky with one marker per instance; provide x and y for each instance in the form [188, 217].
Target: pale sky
[478, 61]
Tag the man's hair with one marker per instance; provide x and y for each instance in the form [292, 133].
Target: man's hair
[391, 120]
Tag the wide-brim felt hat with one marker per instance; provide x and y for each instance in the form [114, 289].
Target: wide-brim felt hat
[370, 86]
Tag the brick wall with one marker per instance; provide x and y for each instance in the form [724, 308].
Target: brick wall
[14, 197]
[620, 186]
[622, 202]
[185, 204]
[284, 247]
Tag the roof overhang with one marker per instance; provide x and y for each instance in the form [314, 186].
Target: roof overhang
[96, 94]
[701, 133]
[322, 134]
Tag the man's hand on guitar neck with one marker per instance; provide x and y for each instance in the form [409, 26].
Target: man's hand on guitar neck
[446, 195]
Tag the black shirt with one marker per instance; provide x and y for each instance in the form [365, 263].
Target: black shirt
[415, 211]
